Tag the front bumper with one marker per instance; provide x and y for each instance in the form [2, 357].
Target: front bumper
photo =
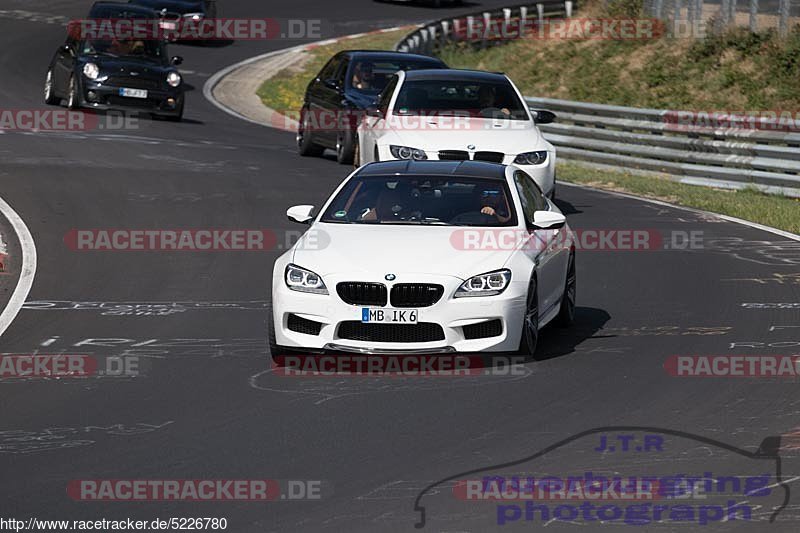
[451, 314]
[96, 95]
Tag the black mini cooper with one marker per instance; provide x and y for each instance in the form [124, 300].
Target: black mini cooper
[121, 74]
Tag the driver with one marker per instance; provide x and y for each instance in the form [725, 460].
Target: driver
[363, 76]
[487, 102]
[493, 206]
[389, 204]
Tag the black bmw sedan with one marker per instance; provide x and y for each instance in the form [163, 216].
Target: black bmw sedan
[337, 97]
[124, 74]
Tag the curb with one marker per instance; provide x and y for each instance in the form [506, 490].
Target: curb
[27, 268]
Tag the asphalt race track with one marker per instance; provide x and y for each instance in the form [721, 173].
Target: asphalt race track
[206, 405]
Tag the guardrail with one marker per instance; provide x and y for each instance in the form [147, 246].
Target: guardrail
[759, 151]
[500, 23]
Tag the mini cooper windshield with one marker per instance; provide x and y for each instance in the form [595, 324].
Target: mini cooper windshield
[446, 201]
[148, 49]
[478, 99]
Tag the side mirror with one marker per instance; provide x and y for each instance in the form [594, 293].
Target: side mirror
[548, 220]
[176, 60]
[300, 213]
[373, 111]
[541, 116]
[331, 83]
[66, 49]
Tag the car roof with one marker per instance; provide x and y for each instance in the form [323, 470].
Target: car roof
[455, 74]
[387, 54]
[471, 169]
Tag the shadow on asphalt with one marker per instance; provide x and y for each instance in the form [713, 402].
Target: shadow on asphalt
[556, 342]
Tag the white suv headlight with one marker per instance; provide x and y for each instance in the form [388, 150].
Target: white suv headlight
[406, 152]
[174, 79]
[531, 158]
[91, 71]
[302, 280]
[489, 284]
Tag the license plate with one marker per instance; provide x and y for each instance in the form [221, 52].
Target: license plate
[389, 316]
[133, 93]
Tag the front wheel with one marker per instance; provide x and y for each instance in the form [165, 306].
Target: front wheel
[305, 143]
[566, 314]
[72, 94]
[50, 97]
[529, 337]
[357, 153]
[345, 147]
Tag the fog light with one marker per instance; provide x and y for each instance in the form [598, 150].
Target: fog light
[92, 96]
[171, 102]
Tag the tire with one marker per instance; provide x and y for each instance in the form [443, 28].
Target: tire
[345, 147]
[50, 97]
[566, 314]
[529, 336]
[357, 154]
[72, 94]
[306, 147]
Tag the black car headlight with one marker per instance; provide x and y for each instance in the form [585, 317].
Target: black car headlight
[174, 79]
[531, 158]
[91, 71]
[302, 280]
[406, 152]
[489, 284]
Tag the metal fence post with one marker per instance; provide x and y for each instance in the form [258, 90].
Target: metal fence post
[568, 7]
[659, 9]
[783, 24]
[754, 16]
[725, 12]
[487, 24]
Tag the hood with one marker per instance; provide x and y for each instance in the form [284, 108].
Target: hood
[375, 250]
[174, 6]
[456, 133]
[123, 67]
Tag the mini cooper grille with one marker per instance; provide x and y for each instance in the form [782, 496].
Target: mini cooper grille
[420, 332]
[454, 155]
[490, 157]
[132, 82]
[416, 294]
[483, 330]
[362, 293]
[303, 325]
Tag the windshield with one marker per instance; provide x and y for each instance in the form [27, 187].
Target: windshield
[444, 201]
[479, 99]
[143, 48]
[372, 76]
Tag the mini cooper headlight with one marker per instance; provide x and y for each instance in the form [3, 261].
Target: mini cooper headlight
[174, 79]
[302, 280]
[406, 152]
[488, 284]
[531, 158]
[91, 71]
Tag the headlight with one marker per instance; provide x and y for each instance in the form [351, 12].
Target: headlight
[174, 79]
[531, 158]
[406, 152]
[91, 71]
[488, 284]
[196, 17]
[300, 279]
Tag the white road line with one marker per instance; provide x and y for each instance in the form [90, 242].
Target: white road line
[25, 282]
[735, 220]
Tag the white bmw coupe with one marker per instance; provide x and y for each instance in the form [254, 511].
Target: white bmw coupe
[462, 115]
[425, 257]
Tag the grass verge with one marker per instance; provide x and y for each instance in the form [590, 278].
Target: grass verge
[775, 211]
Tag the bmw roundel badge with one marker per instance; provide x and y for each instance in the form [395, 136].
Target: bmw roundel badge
[390, 277]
